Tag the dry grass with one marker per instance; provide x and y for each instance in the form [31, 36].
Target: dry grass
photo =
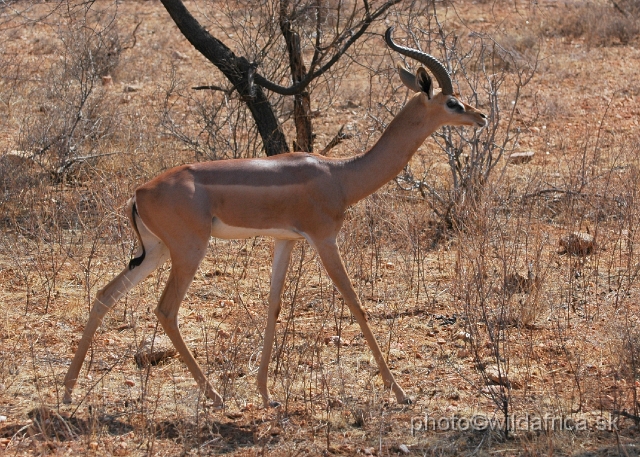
[489, 320]
[599, 23]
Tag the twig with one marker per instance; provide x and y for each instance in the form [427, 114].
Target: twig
[620, 446]
[340, 136]
[67, 163]
[619, 8]
[555, 190]
[99, 380]
[214, 87]
[135, 38]
[626, 414]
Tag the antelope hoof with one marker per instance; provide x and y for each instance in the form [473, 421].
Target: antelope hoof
[406, 401]
[67, 395]
[273, 404]
[217, 406]
[218, 403]
[211, 394]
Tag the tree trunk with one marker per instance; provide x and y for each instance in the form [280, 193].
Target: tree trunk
[302, 101]
[238, 70]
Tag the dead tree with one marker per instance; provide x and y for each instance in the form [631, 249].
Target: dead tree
[245, 75]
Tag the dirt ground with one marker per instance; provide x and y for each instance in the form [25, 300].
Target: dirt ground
[503, 314]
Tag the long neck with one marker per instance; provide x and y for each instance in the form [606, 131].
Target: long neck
[366, 173]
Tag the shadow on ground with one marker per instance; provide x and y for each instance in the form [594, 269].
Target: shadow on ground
[48, 425]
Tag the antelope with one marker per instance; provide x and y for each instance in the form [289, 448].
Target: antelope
[289, 197]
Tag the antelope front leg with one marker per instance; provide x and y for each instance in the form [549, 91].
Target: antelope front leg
[281, 258]
[330, 256]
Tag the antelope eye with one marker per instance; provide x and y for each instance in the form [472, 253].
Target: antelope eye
[454, 104]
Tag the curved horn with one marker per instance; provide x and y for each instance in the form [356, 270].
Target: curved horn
[433, 64]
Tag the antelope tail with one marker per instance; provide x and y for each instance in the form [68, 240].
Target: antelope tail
[136, 260]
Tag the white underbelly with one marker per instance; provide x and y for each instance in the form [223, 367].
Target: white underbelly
[221, 230]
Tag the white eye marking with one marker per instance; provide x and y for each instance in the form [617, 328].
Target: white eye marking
[455, 105]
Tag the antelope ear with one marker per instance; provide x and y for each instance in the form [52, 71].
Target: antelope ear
[425, 82]
[408, 79]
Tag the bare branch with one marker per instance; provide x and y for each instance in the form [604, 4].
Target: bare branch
[134, 38]
[336, 140]
[238, 70]
[352, 35]
[216, 88]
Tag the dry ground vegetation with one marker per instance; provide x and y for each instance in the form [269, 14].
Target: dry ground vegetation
[485, 317]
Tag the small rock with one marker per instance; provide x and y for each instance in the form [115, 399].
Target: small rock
[107, 80]
[507, 381]
[4, 441]
[249, 407]
[335, 340]
[121, 449]
[132, 87]
[369, 451]
[441, 341]
[211, 274]
[154, 351]
[464, 336]
[231, 374]
[130, 382]
[518, 158]
[493, 375]
[180, 56]
[454, 395]
[3, 418]
[93, 445]
[517, 284]
[493, 390]
[577, 243]
[144, 359]
[389, 266]
[404, 448]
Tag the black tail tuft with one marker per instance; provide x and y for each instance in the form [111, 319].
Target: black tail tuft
[137, 260]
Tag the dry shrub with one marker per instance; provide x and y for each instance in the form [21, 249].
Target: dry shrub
[73, 114]
[625, 355]
[500, 284]
[599, 24]
[212, 124]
